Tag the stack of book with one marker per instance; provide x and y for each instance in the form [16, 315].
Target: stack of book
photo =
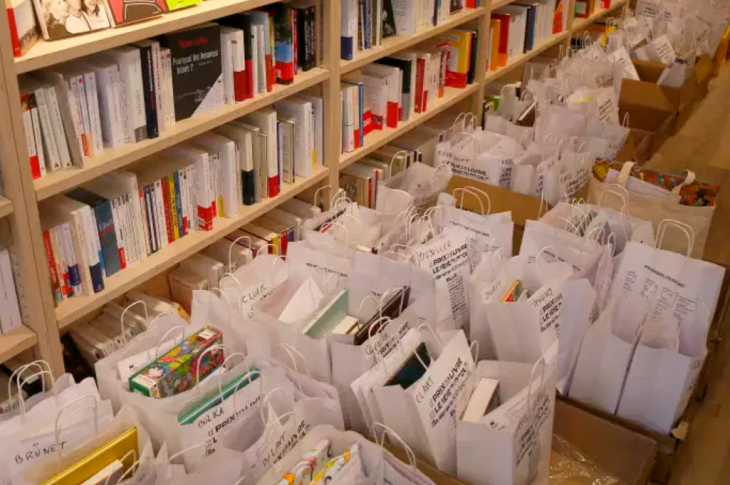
[390, 90]
[131, 93]
[9, 309]
[519, 27]
[365, 23]
[122, 217]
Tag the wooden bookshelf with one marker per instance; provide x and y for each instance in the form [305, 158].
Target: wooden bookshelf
[581, 24]
[6, 207]
[19, 216]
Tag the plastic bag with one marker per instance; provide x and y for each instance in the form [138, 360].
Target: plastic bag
[569, 467]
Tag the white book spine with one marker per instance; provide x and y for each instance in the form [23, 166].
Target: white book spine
[92, 237]
[125, 97]
[59, 259]
[76, 117]
[255, 33]
[92, 101]
[227, 67]
[29, 136]
[84, 110]
[130, 224]
[167, 86]
[49, 139]
[9, 309]
[135, 218]
[160, 215]
[119, 231]
[35, 120]
[157, 77]
[104, 87]
[229, 167]
[215, 183]
[189, 179]
[238, 52]
[69, 252]
[54, 111]
[151, 227]
[81, 243]
[136, 90]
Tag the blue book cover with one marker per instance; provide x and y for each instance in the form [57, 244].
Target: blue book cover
[346, 48]
[530, 25]
[105, 226]
[178, 202]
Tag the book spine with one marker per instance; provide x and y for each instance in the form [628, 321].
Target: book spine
[92, 101]
[49, 139]
[166, 61]
[227, 68]
[96, 257]
[120, 233]
[149, 205]
[148, 91]
[136, 89]
[167, 211]
[160, 215]
[71, 263]
[175, 215]
[157, 84]
[57, 126]
[83, 111]
[310, 36]
[38, 137]
[203, 195]
[55, 283]
[284, 46]
[61, 268]
[293, 22]
[179, 203]
[248, 35]
[35, 168]
[185, 196]
[107, 237]
[239, 66]
[133, 254]
[14, 39]
[421, 93]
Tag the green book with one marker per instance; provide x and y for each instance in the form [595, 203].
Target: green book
[215, 398]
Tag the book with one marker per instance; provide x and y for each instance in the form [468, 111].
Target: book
[150, 59]
[167, 100]
[503, 46]
[27, 104]
[349, 35]
[265, 120]
[124, 13]
[288, 219]
[261, 20]
[227, 43]
[129, 59]
[243, 22]
[460, 44]
[204, 266]
[227, 172]
[22, 25]
[301, 111]
[204, 191]
[359, 109]
[110, 106]
[318, 109]
[104, 225]
[244, 150]
[494, 40]
[197, 76]
[58, 21]
[406, 62]
[306, 31]
[286, 135]
[483, 400]
[257, 168]
[230, 253]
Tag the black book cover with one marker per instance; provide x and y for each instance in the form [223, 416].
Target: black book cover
[197, 80]
[389, 29]
[148, 84]
[306, 37]
[472, 58]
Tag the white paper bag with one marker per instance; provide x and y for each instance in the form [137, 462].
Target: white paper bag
[421, 182]
[424, 415]
[517, 435]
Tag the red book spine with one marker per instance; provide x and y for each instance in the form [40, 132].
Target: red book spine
[55, 286]
[294, 39]
[205, 217]
[284, 243]
[239, 85]
[273, 186]
[249, 78]
[557, 18]
[356, 132]
[168, 214]
[393, 113]
[503, 38]
[14, 33]
[420, 93]
[269, 79]
[370, 122]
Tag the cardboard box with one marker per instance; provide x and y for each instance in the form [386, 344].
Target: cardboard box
[622, 452]
[650, 128]
[647, 94]
[523, 207]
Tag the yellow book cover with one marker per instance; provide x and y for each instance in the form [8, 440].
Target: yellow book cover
[494, 54]
[123, 448]
[173, 208]
[459, 55]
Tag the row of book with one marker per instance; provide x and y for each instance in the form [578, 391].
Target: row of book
[360, 180]
[102, 335]
[391, 89]
[131, 93]
[519, 27]
[586, 8]
[120, 218]
[365, 23]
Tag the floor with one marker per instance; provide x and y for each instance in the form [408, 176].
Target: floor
[703, 145]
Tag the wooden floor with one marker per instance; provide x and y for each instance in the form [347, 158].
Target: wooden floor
[703, 145]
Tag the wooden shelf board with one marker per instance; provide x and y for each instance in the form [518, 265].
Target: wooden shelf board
[74, 308]
[580, 24]
[377, 139]
[400, 42]
[517, 61]
[48, 53]
[111, 159]
[6, 207]
[15, 342]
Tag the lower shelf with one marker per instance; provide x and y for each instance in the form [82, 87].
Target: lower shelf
[519, 60]
[74, 308]
[15, 342]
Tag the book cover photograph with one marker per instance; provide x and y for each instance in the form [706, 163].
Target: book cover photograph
[125, 12]
[63, 18]
[197, 72]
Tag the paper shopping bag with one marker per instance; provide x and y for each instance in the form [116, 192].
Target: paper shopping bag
[661, 380]
[606, 353]
[517, 435]
[424, 414]
[422, 183]
[655, 209]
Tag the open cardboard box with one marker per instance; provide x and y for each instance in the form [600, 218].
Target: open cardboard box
[523, 207]
[650, 128]
[647, 94]
[615, 449]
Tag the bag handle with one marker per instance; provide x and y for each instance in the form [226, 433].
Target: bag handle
[124, 312]
[162, 339]
[316, 193]
[409, 452]
[202, 356]
[540, 364]
[57, 428]
[228, 300]
[289, 349]
[685, 228]
[133, 467]
[41, 373]
[20, 371]
[250, 245]
[475, 192]
[689, 179]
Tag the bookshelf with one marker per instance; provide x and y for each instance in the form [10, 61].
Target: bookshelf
[44, 323]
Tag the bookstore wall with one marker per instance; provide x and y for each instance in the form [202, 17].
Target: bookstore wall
[253, 242]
